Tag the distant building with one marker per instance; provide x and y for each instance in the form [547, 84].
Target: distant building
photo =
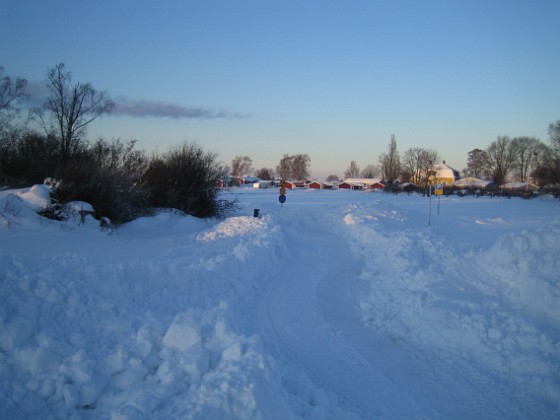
[362, 183]
[445, 174]
[320, 185]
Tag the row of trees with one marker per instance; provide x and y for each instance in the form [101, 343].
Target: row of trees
[290, 167]
[520, 158]
[120, 181]
[527, 158]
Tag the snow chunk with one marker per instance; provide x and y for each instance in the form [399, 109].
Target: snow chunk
[37, 198]
[181, 335]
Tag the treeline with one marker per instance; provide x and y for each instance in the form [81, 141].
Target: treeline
[293, 167]
[521, 158]
[120, 181]
[524, 159]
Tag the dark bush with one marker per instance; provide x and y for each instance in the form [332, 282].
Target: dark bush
[104, 183]
[117, 180]
[25, 158]
[186, 179]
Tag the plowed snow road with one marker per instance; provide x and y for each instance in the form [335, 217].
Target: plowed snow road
[310, 318]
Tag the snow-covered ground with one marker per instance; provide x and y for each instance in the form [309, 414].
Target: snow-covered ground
[339, 304]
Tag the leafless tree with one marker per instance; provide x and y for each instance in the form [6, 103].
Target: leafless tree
[370, 171]
[477, 163]
[12, 95]
[553, 160]
[265, 174]
[295, 167]
[412, 163]
[353, 171]
[71, 108]
[524, 150]
[500, 159]
[11, 91]
[417, 161]
[241, 165]
[554, 135]
[284, 168]
[390, 162]
[300, 167]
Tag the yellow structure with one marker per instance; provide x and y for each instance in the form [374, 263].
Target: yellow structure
[445, 174]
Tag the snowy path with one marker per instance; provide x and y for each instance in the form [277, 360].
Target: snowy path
[311, 315]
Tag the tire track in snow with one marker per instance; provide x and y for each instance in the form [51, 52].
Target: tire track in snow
[312, 313]
[294, 314]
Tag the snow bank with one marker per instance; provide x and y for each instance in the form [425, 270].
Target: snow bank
[497, 305]
[19, 207]
[94, 333]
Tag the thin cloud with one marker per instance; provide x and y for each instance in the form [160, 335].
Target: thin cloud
[161, 109]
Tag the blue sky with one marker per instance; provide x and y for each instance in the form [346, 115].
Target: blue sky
[333, 79]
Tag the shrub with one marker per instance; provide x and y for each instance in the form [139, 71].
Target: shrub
[25, 158]
[186, 179]
[107, 178]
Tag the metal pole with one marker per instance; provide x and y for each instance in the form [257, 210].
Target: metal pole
[430, 212]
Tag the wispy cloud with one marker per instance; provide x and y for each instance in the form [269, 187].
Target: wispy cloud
[161, 109]
[37, 93]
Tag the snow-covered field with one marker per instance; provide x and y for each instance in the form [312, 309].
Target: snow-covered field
[340, 304]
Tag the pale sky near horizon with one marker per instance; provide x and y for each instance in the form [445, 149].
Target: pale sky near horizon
[333, 79]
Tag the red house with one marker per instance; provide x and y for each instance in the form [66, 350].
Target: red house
[316, 185]
[289, 185]
[351, 185]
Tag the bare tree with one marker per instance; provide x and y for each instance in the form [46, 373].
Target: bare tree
[332, 178]
[553, 164]
[71, 108]
[417, 161]
[524, 150]
[390, 162]
[477, 163]
[428, 159]
[294, 167]
[11, 92]
[412, 163]
[370, 171]
[500, 159]
[284, 168]
[353, 171]
[265, 174]
[241, 165]
[300, 167]
[554, 135]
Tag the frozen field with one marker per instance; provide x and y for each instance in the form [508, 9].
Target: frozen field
[338, 305]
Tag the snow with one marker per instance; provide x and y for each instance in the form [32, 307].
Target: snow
[338, 304]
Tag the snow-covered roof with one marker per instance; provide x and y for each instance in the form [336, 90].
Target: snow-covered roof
[445, 171]
[363, 181]
[471, 182]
